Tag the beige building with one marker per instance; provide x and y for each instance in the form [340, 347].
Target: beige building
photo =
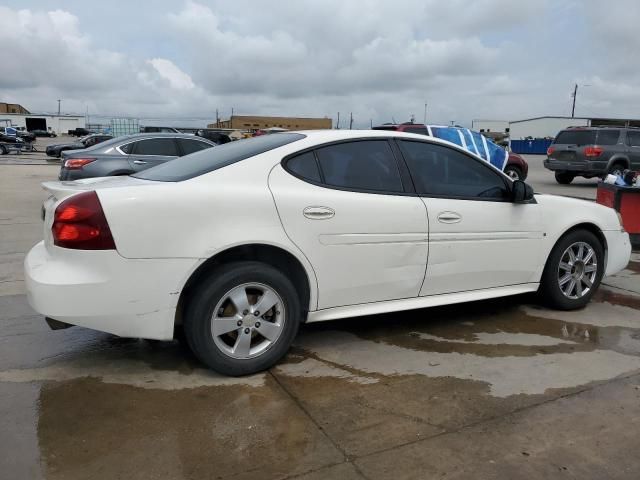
[249, 122]
[12, 108]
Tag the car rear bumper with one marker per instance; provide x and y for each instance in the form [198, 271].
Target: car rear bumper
[618, 251]
[104, 291]
[592, 168]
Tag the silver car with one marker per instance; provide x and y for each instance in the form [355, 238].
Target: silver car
[129, 154]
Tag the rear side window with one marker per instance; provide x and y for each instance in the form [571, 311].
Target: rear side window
[576, 137]
[191, 146]
[156, 146]
[305, 166]
[211, 159]
[633, 139]
[364, 165]
[608, 137]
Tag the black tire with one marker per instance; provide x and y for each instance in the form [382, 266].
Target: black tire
[514, 172]
[617, 169]
[564, 178]
[3, 151]
[550, 291]
[207, 295]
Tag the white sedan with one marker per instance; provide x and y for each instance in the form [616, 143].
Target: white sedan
[241, 243]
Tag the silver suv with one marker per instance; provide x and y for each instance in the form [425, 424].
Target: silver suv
[593, 152]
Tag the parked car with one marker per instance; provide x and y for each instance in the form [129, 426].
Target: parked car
[240, 244]
[84, 142]
[159, 130]
[10, 142]
[593, 152]
[79, 132]
[43, 133]
[129, 154]
[26, 136]
[516, 166]
[214, 136]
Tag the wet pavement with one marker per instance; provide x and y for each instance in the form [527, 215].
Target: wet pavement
[494, 389]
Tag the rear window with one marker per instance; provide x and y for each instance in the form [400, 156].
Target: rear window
[576, 137]
[212, 159]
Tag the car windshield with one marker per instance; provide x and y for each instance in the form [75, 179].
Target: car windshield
[576, 137]
[211, 159]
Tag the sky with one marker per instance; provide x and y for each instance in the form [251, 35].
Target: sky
[180, 61]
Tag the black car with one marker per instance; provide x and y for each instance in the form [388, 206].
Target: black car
[26, 136]
[214, 136]
[593, 152]
[84, 142]
[129, 154]
[43, 133]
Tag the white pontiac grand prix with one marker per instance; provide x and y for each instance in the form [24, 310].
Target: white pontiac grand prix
[241, 243]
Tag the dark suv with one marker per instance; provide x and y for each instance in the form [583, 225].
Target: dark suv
[593, 152]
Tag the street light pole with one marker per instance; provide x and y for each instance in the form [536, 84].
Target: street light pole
[575, 93]
[425, 114]
[59, 106]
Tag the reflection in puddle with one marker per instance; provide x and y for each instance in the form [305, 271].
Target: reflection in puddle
[501, 338]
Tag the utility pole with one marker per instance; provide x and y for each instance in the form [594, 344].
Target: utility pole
[371, 123]
[217, 119]
[59, 106]
[338, 122]
[575, 93]
[425, 114]
[350, 120]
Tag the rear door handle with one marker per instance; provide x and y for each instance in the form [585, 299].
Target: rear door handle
[318, 213]
[139, 162]
[449, 217]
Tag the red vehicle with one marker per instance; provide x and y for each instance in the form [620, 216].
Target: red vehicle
[516, 167]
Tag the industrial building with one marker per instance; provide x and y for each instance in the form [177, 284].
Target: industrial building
[492, 126]
[43, 121]
[548, 127]
[245, 122]
[12, 108]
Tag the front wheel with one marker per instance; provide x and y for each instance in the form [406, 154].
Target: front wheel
[513, 172]
[573, 271]
[243, 318]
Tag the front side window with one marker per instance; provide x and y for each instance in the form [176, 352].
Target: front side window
[156, 146]
[363, 165]
[445, 172]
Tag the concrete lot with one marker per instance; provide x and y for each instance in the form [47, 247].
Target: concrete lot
[498, 389]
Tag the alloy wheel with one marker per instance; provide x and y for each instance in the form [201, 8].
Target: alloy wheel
[248, 320]
[577, 270]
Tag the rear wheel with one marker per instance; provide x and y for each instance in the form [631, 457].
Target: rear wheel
[573, 271]
[564, 178]
[616, 169]
[243, 318]
[3, 151]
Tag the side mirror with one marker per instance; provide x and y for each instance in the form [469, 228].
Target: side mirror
[521, 192]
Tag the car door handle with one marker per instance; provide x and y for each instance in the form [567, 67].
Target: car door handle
[318, 213]
[449, 217]
[139, 162]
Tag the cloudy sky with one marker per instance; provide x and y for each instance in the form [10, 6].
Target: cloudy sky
[381, 60]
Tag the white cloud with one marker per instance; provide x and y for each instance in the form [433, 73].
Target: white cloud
[170, 72]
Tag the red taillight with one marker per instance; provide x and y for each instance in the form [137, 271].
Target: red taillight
[77, 163]
[550, 150]
[593, 151]
[79, 223]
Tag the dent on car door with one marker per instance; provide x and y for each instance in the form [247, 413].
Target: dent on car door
[342, 205]
[478, 238]
[149, 152]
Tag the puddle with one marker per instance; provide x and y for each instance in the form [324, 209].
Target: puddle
[506, 376]
[312, 368]
[501, 338]
[597, 314]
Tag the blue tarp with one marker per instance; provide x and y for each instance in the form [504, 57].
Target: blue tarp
[474, 142]
[538, 146]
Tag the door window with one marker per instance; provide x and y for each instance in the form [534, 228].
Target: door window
[190, 146]
[156, 146]
[365, 165]
[442, 171]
